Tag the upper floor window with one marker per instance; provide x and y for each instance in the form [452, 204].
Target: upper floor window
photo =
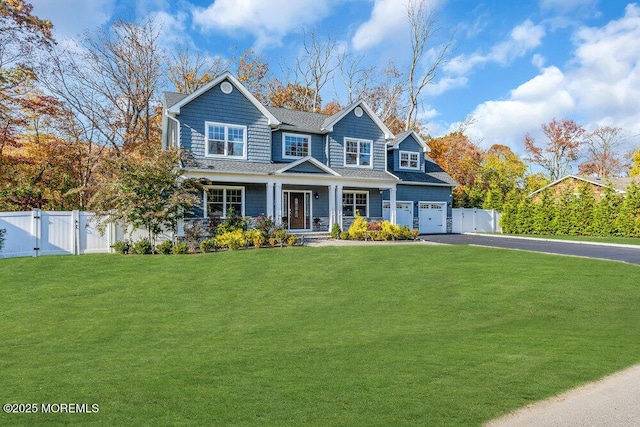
[225, 140]
[357, 152]
[295, 146]
[409, 160]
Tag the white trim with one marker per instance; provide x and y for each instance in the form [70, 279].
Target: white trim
[272, 121]
[295, 179]
[387, 133]
[359, 141]
[226, 126]
[286, 208]
[354, 192]
[296, 135]
[409, 153]
[226, 87]
[311, 160]
[224, 198]
[416, 137]
[169, 116]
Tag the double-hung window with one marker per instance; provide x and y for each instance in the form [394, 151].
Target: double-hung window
[358, 152]
[409, 160]
[295, 146]
[223, 140]
[221, 201]
[355, 201]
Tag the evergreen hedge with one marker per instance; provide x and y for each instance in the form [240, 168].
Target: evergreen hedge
[576, 214]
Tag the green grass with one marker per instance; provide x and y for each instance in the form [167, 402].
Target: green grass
[379, 335]
[596, 239]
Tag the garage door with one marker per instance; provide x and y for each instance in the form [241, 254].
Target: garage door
[404, 213]
[432, 217]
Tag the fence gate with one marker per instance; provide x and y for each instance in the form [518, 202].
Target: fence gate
[39, 232]
[471, 220]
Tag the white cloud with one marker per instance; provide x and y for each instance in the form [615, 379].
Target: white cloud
[566, 5]
[522, 39]
[601, 86]
[388, 18]
[73, 17]
[268, 21]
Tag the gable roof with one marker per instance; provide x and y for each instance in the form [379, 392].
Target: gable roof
[618, 184]
[395, 144]
[175, 108]
[308, 159]
[299, 120]
[330, 121]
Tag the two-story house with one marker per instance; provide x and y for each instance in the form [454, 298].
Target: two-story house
[305, 170]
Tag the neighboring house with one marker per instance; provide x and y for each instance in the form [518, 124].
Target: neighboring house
[305, 170]
[599, 185]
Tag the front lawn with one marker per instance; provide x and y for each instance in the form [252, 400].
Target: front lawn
[367, 335]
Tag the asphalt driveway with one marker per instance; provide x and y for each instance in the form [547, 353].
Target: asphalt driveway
[623, 253]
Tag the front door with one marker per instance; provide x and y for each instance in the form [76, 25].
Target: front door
[298, 211]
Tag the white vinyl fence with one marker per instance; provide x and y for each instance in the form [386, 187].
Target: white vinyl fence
[471, 220]
[37, 233]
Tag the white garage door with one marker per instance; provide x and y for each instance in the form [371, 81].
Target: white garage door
[433, 217]
[404, 213]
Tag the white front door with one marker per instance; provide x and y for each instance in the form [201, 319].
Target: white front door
[433, 217]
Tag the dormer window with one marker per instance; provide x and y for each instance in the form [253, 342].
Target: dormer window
[409, 160]
[295, 146]
[223, 140]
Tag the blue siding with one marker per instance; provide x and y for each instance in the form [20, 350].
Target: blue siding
[418, 193]
[233, 108]
[409, 144]
[357, 127]
[317, 146]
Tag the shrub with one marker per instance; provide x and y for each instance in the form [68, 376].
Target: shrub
[358, 229]
[2, 233]
[335, 231]
[390, 231]
[232, 239]
[272, 241]
[180, 248]
[405, 233]
[281, 236]
[344, 235]
[265, 225]
[256, 237]
[374, 226]
[122, 246]
[415, 233]
[292, 239]
[233, 222]
[142, 247]
[208, 245]
[165, 247]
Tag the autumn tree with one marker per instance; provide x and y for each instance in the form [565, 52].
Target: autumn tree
[354, 75]
[603, 158]
[634, 170]
[422, 19]
[386, 98]
[110, 81]
[145, 192]
[292, 96]
[22, 35]
[461, 159]
[188, 71]
[315, 66]
[501, 171]
[561, 150]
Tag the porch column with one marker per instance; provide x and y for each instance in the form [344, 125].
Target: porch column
[339, 206]
[278, 217]
[332, 205]
[269, 212]
[392, 205]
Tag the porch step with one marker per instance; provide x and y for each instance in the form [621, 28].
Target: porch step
[305, 238]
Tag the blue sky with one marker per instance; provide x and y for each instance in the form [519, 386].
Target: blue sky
[516, 65]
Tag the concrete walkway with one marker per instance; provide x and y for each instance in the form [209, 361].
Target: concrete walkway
[613, 401]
